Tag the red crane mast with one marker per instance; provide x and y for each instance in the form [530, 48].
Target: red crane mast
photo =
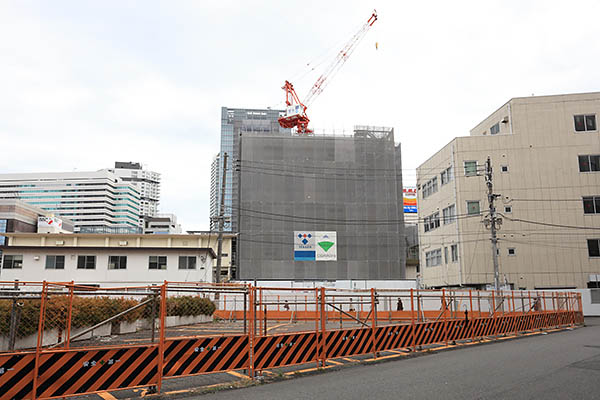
[295, 112]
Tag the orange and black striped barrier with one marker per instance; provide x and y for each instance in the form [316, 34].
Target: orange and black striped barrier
[173, 343]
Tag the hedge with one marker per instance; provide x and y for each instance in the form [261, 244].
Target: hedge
[89, 311]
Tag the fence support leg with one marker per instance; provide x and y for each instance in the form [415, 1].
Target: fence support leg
[373, 322]
[40, 339]
[161, 340]
[412, 319]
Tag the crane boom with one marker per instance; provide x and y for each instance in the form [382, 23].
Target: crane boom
[339, 61]
[295, 113]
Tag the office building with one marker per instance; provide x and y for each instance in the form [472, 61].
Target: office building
[545, 157]
[147, 182]
[96, 201]
[316, 207]
[234, 122]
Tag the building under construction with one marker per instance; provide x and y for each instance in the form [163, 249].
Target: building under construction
[290, 185]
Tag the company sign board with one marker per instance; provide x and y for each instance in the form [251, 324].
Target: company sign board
[49, 222]
[410, 200]
[315, 246]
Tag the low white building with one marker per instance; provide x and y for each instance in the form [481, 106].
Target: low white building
[107, 260]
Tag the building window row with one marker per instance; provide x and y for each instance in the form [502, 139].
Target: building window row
[473, 207]
[446, 175]
[453, 253]
[431, 222]
[585, 122]
[591, 205]
[449, 214]
[470, 168]
[593, 247]
[430, 187]
[89, 262]
[589, 163]
[433, 258]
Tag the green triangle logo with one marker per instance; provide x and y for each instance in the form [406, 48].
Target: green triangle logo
[326, 245]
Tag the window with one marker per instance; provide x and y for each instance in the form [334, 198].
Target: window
[13, 262]
[585, 122]
[495, 129]
[454, 252]
[508, 209]
[188, 262]
[589, 163]
[86, 262]
[595, 294]
[591, 205]
[430, 187]
[55, 262]
[157, 262]
[470, 168]
[445, 255]
[446, 175]
[473, 207]
[512, 251]
[433, 258]
[449, 214]
[431, 222]
[593, 247]
[504, 168]
[117, 262]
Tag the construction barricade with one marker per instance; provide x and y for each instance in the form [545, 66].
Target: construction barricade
[63, 339]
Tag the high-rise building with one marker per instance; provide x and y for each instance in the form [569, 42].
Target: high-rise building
[234, 122]
[545, 157]
[314, 207]
[148, 183]
[96, 201]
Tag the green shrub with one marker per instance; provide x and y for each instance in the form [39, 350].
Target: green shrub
[89, 311]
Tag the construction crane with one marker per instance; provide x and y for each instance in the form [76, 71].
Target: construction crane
[295, 112]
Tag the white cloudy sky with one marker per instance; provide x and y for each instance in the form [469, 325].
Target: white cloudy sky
[85, 83]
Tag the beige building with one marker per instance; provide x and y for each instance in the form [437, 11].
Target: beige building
[545, 156]
[113, 259]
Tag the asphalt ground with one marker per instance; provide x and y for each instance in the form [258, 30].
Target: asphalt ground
[560, 365]
[490, 362]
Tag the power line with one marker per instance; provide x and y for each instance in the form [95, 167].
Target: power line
[549, 224]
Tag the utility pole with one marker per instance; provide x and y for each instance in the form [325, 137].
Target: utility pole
[221, 218]
[492, 222]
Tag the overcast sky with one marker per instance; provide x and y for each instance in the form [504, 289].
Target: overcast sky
[86, 83]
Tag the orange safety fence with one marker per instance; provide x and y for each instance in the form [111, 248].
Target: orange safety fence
[60, 339]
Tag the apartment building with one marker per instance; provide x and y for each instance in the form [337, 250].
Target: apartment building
[148, 184]
[95, 201]
[545, 157]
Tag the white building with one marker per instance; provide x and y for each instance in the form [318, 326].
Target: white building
[96, 201]
[545, 157]
[108, 260]
[148, 183]
[162, 224]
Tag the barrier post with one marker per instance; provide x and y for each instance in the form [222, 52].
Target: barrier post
[444, 308]
[317, 339]
[495, 328]
[161, 339]
[471, 314]
[323, 328]
[373, 322]
[412, 319]
[580, 307]
[251, 295]
[514, 312]
[70, 314]
[40, 338]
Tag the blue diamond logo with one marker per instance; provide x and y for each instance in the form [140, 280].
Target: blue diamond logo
[304, 241]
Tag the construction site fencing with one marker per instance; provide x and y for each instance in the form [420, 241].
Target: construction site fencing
[60, 339]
